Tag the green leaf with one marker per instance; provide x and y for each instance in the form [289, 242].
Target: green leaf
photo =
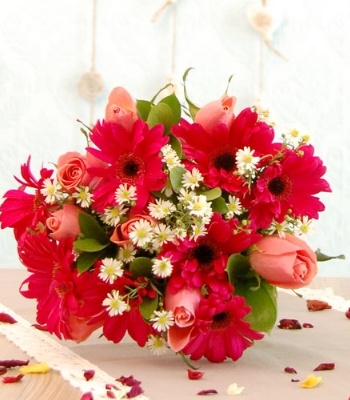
[219, 205]
[90, 228]
[191, 106]
[89, 245]
[212, 194]
[173, 102]
[160, 114]
[148, 306]
[141, 266]
[176, 145]
[175, 176]
[323, 257]
[143, 108]
[86, 260]
[160, 91]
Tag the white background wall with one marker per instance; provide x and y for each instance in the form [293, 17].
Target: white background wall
[45, 46]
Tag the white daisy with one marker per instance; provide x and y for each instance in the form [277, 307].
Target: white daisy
[126, 253]
[234, 205]
[157, 345]
[83, 196]
[110, 270]
[115, 304]
[170, 157]
[199, 206]
[125, 194]
[112, 215]
[245, 160]
[161, 208]
[192, 179]
[197, 231]
[279, 228]
[51, 191]
[141, 233]
[162, 267]
[162, 234]
[304, 226]
[162, 320]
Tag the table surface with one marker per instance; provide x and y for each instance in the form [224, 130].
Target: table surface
[260, 370]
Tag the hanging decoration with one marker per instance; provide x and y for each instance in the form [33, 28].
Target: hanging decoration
[91, 84]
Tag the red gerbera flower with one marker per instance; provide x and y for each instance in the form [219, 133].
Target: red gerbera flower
[285, 188]
[214, 152]
[220, 331]
[133, 158]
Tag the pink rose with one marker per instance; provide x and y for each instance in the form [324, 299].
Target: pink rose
[183, 304]
[216, 112]
[121, 232]
[64, 222]
[121, 108]
[82, 328]
[288, 263]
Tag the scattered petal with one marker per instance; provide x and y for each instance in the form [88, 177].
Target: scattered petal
[110, 386]
[13, 363]
[3, 370]
[4, 317]
[205, 392]
[87, 396]
[234, 389]
[347, 313]
[295, 380]
[134, 391]
[307, 325]
[40, 327]
[110, 394]
[12, 379]
[325, 367]
[317, 305]
[89, 374]
[290, 370]
[128, 380]
[194, 375]
[289, 324]
[41, 368]
[311, 381]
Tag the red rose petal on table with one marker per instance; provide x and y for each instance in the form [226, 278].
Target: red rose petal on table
[87, 396]
[89, 374]
[317, 305]
[289, 324]
[194, 375]
[110, 394]
[347, 314]
[110, 386]
[307, 325]
[134, 391]
[290, 370]
[295, 380]
[12, 379]
[206, 392]
[13, 363]
[3, 370]
[40, 327]
[325, 367]
[4, 317]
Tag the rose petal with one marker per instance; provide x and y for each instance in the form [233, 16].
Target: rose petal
[311, 381]
[290, 370]
[347, 313]
[234, 389]
[4, 317]
[40, 327]
[289, 324]
[325, 367]
[317, 305]
[295, 380]
[307, 325]
[110, 394]
[134, 391]
[12, 379]
[87, 396]
[41, 368]
[13, 363]
[128, 380]
[206, 392]
[194, 375]
[89, 374]
[3, 370]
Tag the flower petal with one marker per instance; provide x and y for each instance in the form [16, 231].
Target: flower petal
[41, 368]
[12, 379]
[311, 381]
[317, 305]
[205, 392]
[290, 370]
[194, 375]
[4, 317]
[325, 367]
[234, 389]
[289, 324]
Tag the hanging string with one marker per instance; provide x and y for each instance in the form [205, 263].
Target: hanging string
[91, 83]
[157, 15]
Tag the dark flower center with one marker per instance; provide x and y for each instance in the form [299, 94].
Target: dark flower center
[221, 321]
[130, 168]
[224, 161]
[280, 186]
[204, 254]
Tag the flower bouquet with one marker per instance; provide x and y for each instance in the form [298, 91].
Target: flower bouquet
[174, 226]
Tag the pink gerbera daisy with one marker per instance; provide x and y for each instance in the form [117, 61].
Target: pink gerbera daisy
[285, 188]
[132, 157]
[219, 330]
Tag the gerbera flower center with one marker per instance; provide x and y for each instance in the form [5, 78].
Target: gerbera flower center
[130, 168]
[280, 187]
[224, 160]
[221, 321]
[205, 255]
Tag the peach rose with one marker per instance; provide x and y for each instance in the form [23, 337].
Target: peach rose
[183, 304]
[64, 222]
[216, 112]
[287, 263]
[121, 108]
[82, 328]
[121, 232]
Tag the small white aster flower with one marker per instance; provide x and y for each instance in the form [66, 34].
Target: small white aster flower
[141, 233]
[234, 205]
[167, 189]
[162, 234]
[279, 227]
[115, 304]
[162, 320]
[185, 196]
[110, 270]
[83, 196]
[125, 194]
[126, 253]
[305, 226]
[162, 267]
[112, 215]
[157, 345]
[191, 179]
[197, 231]
[180, 232]
[199, 206]
[51, 191]
[245, 160]
[170, 157]
[161, 208]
